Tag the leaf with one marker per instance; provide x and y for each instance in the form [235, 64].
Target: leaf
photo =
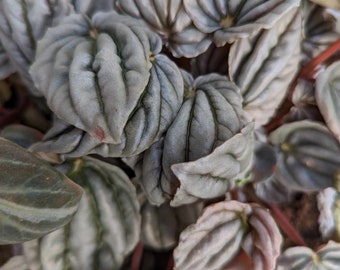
[35, 199]
[229, 21]
[162, 225]
[169, 19]
[319, 30]
[21, 135]
[17, 262]
[263, 66]
[22, 23]
[90, 7]
[303, 258]
[222, 231]
[327, 94]
[106, 227]
[6, 67]
[215, 174]
[127, 98]
[308, 155]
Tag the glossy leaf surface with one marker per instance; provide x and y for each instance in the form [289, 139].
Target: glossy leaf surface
[35, 199]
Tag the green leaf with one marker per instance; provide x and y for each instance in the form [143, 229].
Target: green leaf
[263, 66]
[21, 135]
[229, 21]
[308, 155]
[223, 231]
[304, 258]
[35, 199]
[17, 262]
[327, 94]
[106, 227]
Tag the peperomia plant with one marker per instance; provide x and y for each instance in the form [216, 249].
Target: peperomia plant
[187, 134]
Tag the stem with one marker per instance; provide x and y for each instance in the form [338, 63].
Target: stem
[305, 72]
[137, 257]
[286, 225]
[171, 263]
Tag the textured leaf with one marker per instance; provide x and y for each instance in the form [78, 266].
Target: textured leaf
[106, 227]
[231, 20]
[90, 7]
[263, 66]
[21, 135]
[22, 23]
[303, 258]
[208, 118]
[221, 233]
[215, 174]
[169, 19]
[319, 30]
[35, 199]
[327, 93]
[308, 155]
[123, 97]
[162, 225]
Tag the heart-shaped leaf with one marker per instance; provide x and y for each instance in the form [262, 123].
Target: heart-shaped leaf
[35, 199]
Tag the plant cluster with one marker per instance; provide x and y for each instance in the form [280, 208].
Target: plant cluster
[169, 134]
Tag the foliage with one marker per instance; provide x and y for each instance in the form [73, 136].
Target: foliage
[176, 129]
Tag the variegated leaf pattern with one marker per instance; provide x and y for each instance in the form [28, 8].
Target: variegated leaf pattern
[308, 155]
[304, 258]
[22, 24]
[170, 20]
[161, 226]
[35, 199]
[225, 230]
[215, 174]
[106, 227]
[210, 116]
[123, 97]
[327, 94]
[319, 30]
[232, 20]
[263, 66]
